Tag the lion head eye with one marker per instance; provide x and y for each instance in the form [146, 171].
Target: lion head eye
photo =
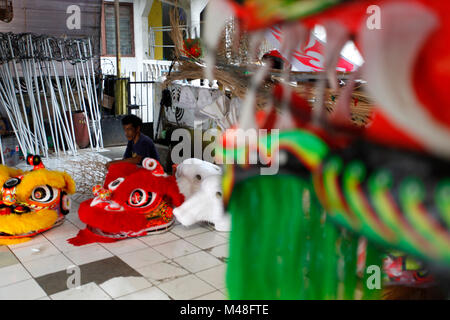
[115, 184]
[44, 194]
[139, 198]
[10, 183]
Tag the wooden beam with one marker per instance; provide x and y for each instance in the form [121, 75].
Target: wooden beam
[117, 14]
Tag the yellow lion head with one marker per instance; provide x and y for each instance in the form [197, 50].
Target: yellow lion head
[32, 202]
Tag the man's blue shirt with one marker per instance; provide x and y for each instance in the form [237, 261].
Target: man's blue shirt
[144, 148]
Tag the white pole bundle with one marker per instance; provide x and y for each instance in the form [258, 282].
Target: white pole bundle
[40, 78]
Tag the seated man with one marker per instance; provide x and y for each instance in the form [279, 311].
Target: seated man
[139, 145]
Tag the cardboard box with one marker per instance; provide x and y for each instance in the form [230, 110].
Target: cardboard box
[11, 151]
[108, 101]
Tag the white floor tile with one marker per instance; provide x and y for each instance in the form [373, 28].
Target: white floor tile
[89, 291]
[7, 258]
[183, 231]
[33, 242]
[152, 293]
[121, 286]
[197, 261]
[74, 205]
[35, 251]
[141, 258]
[86, 254]
[214, 276]
[44, 298]
[176, 248]
[226, 235]
[25, 290]
[66, 230]
[225, 292]
[156, 239]
[221, 251]
[209, 226]
[47, 265]
[124, 246]
[13, 274]
[64, 246]
[162, 271]
[216, 295]
[207, 240]
[74, 218]
[186, 288]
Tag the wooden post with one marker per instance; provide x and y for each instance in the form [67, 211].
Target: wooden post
[119, 94]
[117, 14]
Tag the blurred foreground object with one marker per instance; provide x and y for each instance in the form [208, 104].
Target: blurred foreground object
[295, 235]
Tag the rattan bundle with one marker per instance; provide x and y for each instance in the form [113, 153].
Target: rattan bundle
[234, 68]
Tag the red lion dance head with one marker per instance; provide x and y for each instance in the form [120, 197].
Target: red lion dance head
[133, 202]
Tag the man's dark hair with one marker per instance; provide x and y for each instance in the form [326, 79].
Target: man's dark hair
[133, 120]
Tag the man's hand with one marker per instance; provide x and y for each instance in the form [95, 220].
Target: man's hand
[108, 164]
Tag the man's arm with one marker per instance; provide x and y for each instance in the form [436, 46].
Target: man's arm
[127, 157]
[128, 153]
[136, 160]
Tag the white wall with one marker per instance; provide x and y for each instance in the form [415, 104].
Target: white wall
[196, 8]
[141, 9]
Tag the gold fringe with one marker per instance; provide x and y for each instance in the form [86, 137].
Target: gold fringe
[7, 242]
[56, 179]
[7, 172]
[20, 224]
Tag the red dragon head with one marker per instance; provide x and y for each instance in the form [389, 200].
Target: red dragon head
[134, 201]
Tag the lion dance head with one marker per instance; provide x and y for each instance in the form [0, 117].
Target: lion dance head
[134, 201]
[32, 202]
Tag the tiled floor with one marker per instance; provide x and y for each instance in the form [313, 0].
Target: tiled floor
[184, 263]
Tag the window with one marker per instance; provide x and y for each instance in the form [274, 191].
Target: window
[126, 30]
[6, 11]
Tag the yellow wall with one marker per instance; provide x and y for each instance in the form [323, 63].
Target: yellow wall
[155, 20]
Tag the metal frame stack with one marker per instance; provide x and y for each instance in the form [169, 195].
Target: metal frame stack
[42, 81]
